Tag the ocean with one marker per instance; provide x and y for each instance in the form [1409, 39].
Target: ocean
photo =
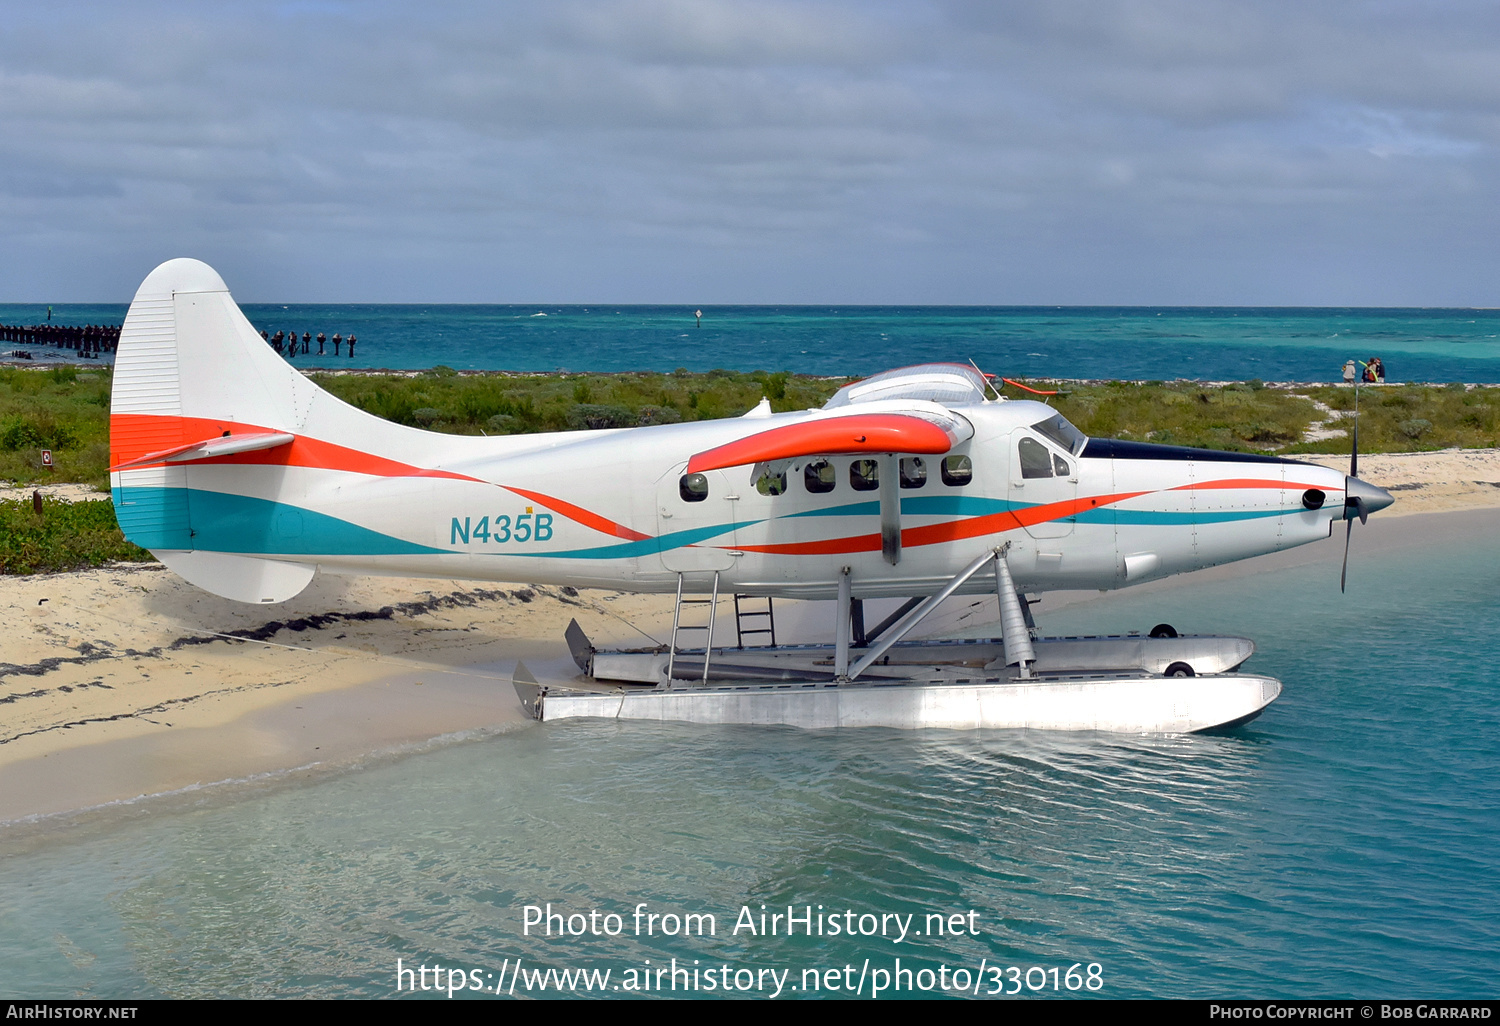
[1138, 343]
[1346, 843]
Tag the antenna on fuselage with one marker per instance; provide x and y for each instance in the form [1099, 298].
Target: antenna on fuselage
[989, 380]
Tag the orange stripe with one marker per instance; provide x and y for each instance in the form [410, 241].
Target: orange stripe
[131, 430]
[578, 513]
[132, 436]
[831, 547]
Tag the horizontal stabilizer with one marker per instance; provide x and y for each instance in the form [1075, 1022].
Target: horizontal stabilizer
[221, 446]
[926, 434]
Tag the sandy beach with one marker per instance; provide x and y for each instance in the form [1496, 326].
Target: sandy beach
[120, 682]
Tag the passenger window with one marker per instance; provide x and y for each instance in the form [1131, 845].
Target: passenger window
[771, 484]
[818, 477]
[1060, 465]
[913, 472]
[864, 475]
[957, 471]
[693, 487]
[1036, 461]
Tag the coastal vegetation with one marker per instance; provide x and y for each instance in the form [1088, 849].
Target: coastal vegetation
[65, 410]
[63, 536]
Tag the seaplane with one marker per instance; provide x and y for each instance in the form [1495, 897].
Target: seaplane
[918, 484]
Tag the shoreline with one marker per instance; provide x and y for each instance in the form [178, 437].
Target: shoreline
[54, 358]
[119, 683]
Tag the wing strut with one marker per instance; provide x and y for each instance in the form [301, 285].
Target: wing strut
[890, 509]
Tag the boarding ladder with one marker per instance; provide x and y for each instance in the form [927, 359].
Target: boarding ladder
[678, 626]
[741, 614]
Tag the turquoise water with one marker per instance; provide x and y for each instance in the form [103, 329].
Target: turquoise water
[1346, 843]
[1141, 343]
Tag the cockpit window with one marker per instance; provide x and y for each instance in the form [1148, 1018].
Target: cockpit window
[1036, 458]
[1060, 431]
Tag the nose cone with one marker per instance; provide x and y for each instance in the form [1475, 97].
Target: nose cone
[1373, 497]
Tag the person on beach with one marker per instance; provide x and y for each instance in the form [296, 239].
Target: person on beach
[321, 339]
[1369, 375]
[1379, 370]
[337, 341]
[351, 347]
[306, 338]
[1349, 372]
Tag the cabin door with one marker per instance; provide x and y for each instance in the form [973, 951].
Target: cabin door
[695, 518]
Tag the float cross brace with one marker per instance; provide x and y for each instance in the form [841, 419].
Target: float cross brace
[919, 614]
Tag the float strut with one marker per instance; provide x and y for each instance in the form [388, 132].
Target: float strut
[1018, 650]
[917, 615]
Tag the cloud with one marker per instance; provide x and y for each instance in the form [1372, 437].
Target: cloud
[938, 152]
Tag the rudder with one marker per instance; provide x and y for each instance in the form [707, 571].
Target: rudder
[190, 369]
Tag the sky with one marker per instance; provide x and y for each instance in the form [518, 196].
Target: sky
[1141, 152]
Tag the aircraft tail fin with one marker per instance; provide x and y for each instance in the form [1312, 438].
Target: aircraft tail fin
[193, 379]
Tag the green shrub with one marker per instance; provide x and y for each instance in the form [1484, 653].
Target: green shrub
[594, 416]
[66, 536]
[658, 415]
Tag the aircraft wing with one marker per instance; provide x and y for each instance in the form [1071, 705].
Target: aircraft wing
[927, 430]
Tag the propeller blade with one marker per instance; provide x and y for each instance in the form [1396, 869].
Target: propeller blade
[1362, 510]
[1344, 573]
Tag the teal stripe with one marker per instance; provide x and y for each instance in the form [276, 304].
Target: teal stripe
[222, 522]
[848, 509]
[644, 547]
[954, 506]
[1150, 517]
[153, 518]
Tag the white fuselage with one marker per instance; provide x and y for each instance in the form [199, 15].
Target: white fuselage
[604, 509]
